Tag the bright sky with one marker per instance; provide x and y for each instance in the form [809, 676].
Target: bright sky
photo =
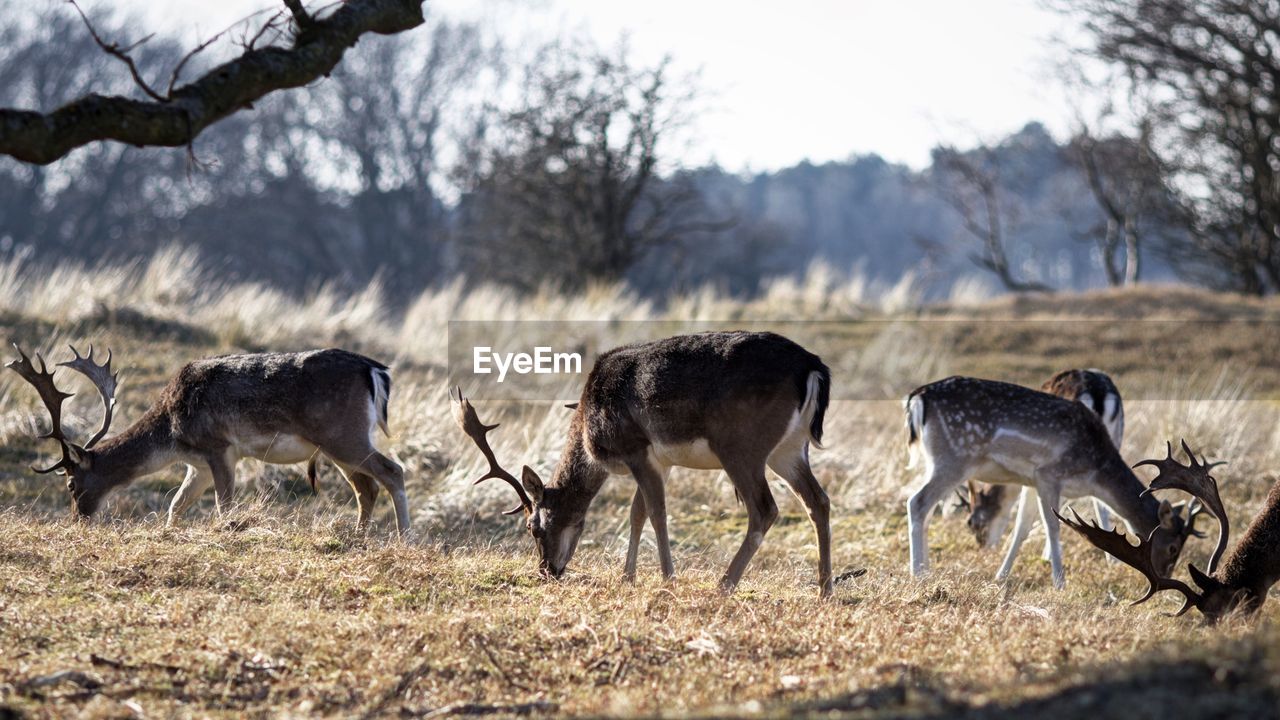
[806, 79]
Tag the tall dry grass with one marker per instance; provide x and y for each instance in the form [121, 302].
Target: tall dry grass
[162, 310]
[279, 608]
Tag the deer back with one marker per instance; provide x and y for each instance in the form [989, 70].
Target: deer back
[699, 387]
[962, 417]
[284, 393]
[1095, 390]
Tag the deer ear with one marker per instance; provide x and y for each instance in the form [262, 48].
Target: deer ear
[532, 484]
[80, 455]
[1167, 514]
[1205, 582]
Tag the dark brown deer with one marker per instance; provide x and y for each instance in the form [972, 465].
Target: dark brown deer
[277, 407]
[990, 503]
[740, 401]
[1246, 575]
[965, 427]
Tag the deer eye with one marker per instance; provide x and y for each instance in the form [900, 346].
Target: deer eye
[71, 485]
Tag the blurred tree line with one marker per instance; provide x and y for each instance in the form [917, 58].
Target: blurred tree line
[438, 153]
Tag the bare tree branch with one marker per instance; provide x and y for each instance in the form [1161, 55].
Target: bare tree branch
[965, 182]
[120, 53]
[42, 138]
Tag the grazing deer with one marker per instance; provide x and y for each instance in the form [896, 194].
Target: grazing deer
[1012, 434]
[1247, 573]
[277, 407]
[740, 401]
[990, 504]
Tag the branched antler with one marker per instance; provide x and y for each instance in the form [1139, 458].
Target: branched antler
[103, 379]
[1195, 479]
[42, 381]
[1114, 543]
[470, 423]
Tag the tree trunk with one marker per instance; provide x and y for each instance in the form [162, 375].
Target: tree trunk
[1132, 254]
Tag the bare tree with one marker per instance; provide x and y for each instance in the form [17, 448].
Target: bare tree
[348, 171]
[970, 183]
[175, 116]
[568, 186]
[1126, 180]
[1212, 68]
[118, 195]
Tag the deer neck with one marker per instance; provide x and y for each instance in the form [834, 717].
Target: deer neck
[1254, 564]
[1121, 489]
[578, 476]
[145, 447]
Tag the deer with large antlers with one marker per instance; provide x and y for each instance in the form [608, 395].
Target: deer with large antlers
[1244, 577]
[990, 504]
[277, 407]
[740, 401]
[967, 427]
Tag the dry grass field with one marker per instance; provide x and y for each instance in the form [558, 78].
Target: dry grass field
[277, 608]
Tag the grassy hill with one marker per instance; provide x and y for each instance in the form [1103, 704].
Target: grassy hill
[279, 608]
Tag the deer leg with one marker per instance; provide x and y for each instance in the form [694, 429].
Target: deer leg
[762, 511]
[799, 476]
[223, 468]
[1104, 518]
[366, 490]
[1106, 522]
[638, 515]
[366, 460]
[1049, 499]
[193, 486]
[651, 481]
[1047, 553]
[1021, 529]
[941, 481]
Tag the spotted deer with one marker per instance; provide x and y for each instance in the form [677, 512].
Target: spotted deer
[990, 503]
[964, 427]
[276, 407]
[738, 401]
[1242, 581]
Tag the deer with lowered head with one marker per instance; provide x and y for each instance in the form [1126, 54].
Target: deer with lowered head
[280, 408]
[990, 504]
[741, 401]
[964, 427]
[1241, 582]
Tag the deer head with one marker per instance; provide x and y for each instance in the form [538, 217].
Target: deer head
[988, 511]
[1214, 598]
[553, 543]
[1195, 480]
[85, 487]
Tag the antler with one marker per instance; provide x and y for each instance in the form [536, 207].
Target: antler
[1196, 480]
[1114, 543]
[103, 379]
[42, 381]
[470, 423]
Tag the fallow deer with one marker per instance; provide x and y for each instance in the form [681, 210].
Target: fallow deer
[1246, 574]
[740, 401]
[990, 503]
[277, 407]
[1012, 434]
